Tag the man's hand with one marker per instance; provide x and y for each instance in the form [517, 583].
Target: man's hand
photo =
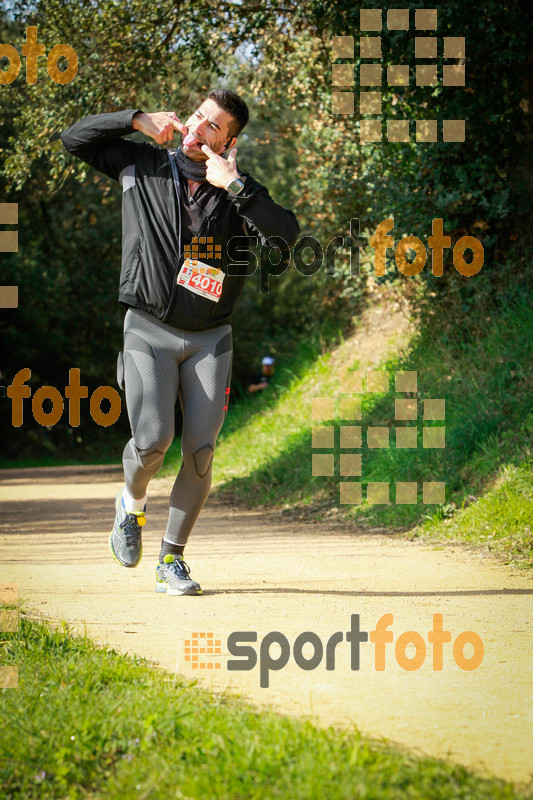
[161, 126]
[220, 171]
[257, 387]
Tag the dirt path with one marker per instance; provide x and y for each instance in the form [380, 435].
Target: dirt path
[261, 574]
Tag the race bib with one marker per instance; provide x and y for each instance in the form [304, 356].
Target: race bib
[201, 279]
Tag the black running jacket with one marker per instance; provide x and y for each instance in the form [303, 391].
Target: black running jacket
[152, 255]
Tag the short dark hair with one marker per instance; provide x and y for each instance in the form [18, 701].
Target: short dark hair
[233, 104]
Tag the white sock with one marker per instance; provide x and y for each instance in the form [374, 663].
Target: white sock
[131, 504]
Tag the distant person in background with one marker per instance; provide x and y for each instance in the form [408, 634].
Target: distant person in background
[259, 380]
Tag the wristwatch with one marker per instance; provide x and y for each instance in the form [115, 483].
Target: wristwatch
[236, 185]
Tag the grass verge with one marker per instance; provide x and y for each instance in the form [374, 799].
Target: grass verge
[87, 722]
[482, 371]
[501, 519]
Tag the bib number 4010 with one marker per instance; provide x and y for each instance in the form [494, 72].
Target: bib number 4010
[207, 284]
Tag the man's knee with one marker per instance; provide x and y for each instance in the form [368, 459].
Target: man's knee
[151, 457]
[203, 458]
[148, 456]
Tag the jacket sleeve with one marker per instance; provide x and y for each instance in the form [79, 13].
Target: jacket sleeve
[98, 141]
[264, 217]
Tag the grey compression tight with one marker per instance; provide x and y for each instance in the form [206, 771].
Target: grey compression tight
[159, 364]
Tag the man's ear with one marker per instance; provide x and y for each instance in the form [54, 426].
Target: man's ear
[230, 143]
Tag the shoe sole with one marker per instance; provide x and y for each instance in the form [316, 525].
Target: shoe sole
[162, 588]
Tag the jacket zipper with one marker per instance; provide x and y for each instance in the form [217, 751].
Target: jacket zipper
[205, 224]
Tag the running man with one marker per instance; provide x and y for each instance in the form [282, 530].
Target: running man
[180, 209]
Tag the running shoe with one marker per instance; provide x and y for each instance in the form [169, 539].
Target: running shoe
[172, 577]
[125, 539]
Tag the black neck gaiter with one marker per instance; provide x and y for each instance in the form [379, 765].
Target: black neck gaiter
[193, 170]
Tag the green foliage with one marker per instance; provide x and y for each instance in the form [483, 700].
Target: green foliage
[278, 55]
[481, 187]
[67, 267]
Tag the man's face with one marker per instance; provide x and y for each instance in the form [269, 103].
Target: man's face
[210, 125]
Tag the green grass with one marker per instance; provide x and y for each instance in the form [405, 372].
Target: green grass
[482, 371]
[87, 722]
[502, 518]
